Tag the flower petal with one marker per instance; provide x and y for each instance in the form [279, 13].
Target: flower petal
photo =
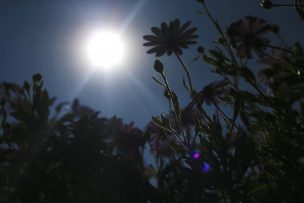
[151, 38]
[165, 29]
[154, 50]
[161, 52]
[185, 26]
[151, 44]
[170, 38]
[157, 31]
[189, 32]
[176, 26]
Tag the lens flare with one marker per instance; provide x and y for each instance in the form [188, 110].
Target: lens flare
[206, 167]
[196, 155]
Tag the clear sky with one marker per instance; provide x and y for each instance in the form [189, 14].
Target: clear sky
[48, 37]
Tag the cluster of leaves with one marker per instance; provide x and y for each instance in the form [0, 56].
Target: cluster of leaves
[76, 156]
[250, 149]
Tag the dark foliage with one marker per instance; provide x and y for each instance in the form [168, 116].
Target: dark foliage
[78, 157]
[249, 149]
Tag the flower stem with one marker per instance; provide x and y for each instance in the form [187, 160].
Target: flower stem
[225, 44]
[282, 49]
[224, 115]
[174, 109]
[283, 5]
[254, 85]
[186, 71]
[275, 59]
[218, 28]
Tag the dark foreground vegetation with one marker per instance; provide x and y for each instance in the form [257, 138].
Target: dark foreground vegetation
[250, 149]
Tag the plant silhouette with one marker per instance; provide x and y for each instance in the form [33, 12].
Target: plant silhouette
[249, 149]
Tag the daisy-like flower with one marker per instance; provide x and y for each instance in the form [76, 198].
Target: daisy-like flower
[158, 140]
[188, 116]
[170, 38]
[247, 35]
[211, 93]
[273, 65]
[281, 70]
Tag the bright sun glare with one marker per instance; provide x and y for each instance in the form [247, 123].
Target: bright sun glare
[105, 49]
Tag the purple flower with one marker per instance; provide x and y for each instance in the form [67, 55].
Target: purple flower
[248, 35]
[170, 38]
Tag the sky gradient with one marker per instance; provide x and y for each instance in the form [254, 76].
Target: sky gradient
[47, 37]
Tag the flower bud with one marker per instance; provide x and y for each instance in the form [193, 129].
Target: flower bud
[166, 94]
[200, 49]
[37, 77]
[267, 4]
[158, 66]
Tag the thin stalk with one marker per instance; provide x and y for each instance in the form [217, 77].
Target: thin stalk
[227, 46]
[276, 59]
[186, 71]
[265, 97]
[282, 49]
[273, 105]
[175, 113]
[283, 5]
[281, 39]
[223, 113]
[154, 156]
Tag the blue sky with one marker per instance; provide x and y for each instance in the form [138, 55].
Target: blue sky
[47, 37]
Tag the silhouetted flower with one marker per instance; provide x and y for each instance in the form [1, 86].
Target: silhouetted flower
[170, 38]
[158, 140]
[281, 72]
[188, 116]
[129, 140]
[83, 110]
[209, 94]
[273, 65]
[247, 35]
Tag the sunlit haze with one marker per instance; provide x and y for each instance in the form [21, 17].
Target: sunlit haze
[93, 50]
[104, 50]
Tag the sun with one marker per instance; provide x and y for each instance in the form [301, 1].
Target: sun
[105, 49]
